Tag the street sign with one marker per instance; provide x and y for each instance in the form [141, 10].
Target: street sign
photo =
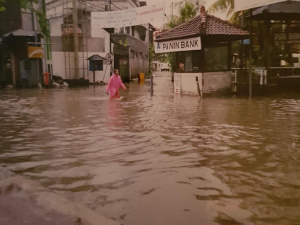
[108, 58]
[177, 83]
[128, 17]
[35, 52]
[188, 44]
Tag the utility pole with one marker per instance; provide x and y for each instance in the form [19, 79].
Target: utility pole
[250, 56]
[111, 65]
[34, 25]
[172, 13]
[75, 26]
[109, 5]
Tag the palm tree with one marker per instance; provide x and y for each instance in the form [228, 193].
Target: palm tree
[228, 5]
[222, 5]
[187, 9]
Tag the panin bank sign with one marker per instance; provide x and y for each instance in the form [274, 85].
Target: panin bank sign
[188, 44]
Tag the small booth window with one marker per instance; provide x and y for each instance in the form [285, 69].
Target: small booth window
[188, 61]
[216, 59]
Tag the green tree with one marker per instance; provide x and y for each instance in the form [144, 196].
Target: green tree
[222, 5]
[227, 5]
[24, 4]
[2, 8]
[27, 4]
[187, 9]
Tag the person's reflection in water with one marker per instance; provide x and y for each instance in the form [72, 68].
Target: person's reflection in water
[114, 115]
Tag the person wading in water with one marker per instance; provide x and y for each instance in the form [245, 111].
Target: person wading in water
[114, 84]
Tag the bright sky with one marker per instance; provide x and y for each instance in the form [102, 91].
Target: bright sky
[168, 9]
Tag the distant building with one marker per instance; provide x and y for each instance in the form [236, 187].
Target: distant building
[126, 47]
[21, 63]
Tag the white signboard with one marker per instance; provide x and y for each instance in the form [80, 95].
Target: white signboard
[240, 5]
[177, 82]
[128, 17]
[178, 45]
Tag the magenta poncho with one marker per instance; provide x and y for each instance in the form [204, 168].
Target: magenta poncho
[114, 84]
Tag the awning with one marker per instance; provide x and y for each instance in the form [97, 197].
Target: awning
[21, 32]
[289, 10]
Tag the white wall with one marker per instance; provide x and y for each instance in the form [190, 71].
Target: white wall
[59, 67]
[55, 26]
[98, 33]
[188, 84]
[212, 82]
[216, 81]
[58, 60]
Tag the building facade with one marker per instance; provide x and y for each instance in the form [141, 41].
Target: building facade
[21, 49]
[125, 48]
[70, 44]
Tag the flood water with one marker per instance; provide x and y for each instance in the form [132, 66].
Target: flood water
[161, 160]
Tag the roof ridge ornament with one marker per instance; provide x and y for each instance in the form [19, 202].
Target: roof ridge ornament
[203, 20]
[202, 9]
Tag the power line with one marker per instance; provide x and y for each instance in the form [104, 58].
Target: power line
[97, 6]
[116, 6]
[129, 1]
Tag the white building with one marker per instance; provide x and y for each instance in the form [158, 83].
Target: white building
[104, 43]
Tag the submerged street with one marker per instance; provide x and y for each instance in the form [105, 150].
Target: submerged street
[160, 160]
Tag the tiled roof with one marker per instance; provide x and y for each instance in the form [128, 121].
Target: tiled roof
[204, 24]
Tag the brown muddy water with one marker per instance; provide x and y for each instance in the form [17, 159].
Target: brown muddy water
[161, 160]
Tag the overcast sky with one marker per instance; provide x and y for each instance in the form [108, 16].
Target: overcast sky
[168, 9]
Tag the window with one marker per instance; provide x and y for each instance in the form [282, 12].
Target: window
[196, 58]
[216, 58]
[132, 54]
[188, 61]
[180, 61]
[127, 29]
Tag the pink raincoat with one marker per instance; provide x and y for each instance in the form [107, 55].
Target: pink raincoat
[114, 84]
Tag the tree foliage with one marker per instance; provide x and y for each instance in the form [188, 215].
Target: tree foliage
[2, 8]
[24, 4]
[187, 9]
[27, 4]
[226, 6]
[43, 23]
[222, 5]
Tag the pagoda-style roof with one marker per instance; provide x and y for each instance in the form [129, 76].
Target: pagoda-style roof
[204, 25]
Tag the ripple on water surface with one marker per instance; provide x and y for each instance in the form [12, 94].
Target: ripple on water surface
[165, 159]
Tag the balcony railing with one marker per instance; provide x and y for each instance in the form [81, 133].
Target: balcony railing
[67, 29]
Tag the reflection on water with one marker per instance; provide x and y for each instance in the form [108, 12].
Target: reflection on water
[165, 159]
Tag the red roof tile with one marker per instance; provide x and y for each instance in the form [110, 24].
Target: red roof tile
[202, 25]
